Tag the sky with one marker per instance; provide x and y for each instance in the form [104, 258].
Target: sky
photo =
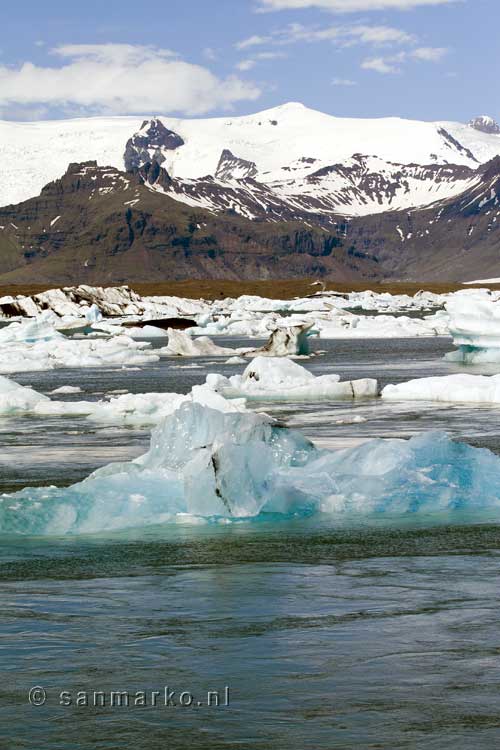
[420, 59]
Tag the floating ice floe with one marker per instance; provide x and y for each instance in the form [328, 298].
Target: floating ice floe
[281, 379]
[66, 389]
[213, 464]
[475, 327]
[381, 326]
[18, 399]
[151, 408]
[75, 301]
[143, 332]
[283, 342]
[37, 345]
[181, 344]
[477, 389]
[332, 323]
[332, 314]
[124, 408]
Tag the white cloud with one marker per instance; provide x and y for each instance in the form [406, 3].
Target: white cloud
[383, 65]
[429, 54]
[380, 35]
[348, 6]
[270, 55]
[120, 79]
[109, 53]
[342, 36]
[244, 65]
[393, 63]
[348, 35]
[252, 41]
[344, 82]
[251, 62]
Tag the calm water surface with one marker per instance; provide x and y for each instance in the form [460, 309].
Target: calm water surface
[384, 634]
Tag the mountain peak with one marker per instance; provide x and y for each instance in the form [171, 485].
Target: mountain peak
[485, 124]
[150, 143]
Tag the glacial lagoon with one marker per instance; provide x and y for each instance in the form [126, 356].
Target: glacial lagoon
[329, 632]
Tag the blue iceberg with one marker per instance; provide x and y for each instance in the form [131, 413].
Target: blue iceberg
[209, 465]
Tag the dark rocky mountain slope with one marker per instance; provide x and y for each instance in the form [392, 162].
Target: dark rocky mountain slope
[104, 226]
[101, 225]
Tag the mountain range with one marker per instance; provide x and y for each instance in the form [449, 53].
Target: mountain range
[283, 193]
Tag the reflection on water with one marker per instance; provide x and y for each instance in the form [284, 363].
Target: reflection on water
[330, 634]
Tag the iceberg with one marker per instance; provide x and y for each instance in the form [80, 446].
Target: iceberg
[127, 408]
[181, 344]
[475, 389]
[283, 342]
[475, 327]
[214, 462]
[18, 399]
[281, 379]
[36, 344]
[41, 328]
[347, 326]
[152, 408]
[93, 314]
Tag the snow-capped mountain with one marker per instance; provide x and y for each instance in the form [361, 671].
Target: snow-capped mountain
[448, 240]
[485, 124]
[101, 224]
[289, 156]
[287, 192]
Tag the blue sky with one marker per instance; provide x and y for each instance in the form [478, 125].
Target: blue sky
[424, 59]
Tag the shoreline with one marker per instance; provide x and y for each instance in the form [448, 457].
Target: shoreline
[270, 288]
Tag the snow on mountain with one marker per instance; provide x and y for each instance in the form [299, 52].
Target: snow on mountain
[230, 167]
[366, 184]
[150, 144]
[289, 149]
[485, 124]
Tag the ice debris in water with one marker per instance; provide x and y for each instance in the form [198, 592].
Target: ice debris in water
[65, 389]
[459, 388]
[475, 327]
[93, 314]
[283, 342]
[38, 345]
[216, 462]
[281, 379]
[122, 407]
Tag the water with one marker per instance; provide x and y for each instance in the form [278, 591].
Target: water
[381, 634]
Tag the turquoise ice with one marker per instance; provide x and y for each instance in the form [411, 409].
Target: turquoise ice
[208, 465]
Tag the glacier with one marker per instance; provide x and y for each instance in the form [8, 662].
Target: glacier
[213, 462]
[275, 139]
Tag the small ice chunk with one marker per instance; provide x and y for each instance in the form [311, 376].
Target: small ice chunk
[235, 361]
[460, 388]
[66, 389]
